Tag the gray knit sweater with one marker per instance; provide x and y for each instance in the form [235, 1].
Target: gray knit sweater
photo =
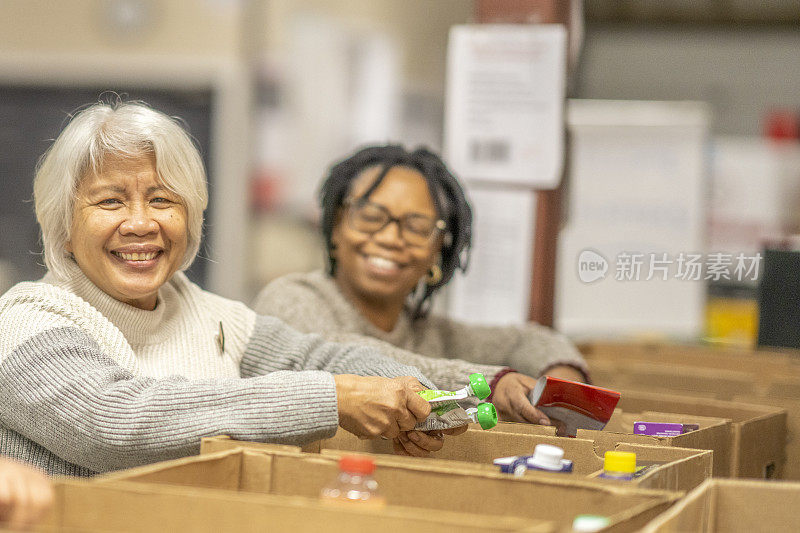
[312, 302]
[89, 384]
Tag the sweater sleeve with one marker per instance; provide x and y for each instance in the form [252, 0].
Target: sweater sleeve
[530, 349]
[274, 346]
[301, 305]
[446, 374]
[60, 391]
[305, 308]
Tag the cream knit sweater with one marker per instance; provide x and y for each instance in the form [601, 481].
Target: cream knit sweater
[90, 384]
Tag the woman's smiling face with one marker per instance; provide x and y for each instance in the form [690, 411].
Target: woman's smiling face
[128, 232]
[382, 267]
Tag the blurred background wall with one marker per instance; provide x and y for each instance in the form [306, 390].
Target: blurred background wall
[274, 91]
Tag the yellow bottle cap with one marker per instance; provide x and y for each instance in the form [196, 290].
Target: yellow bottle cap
[620, 462]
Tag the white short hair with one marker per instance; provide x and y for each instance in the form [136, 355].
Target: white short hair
[122, 129]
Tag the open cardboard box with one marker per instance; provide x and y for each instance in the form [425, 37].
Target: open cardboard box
[125, 506]
[676, 468]
[722, 384]
[714, 434]
[791, 469]
[755, 362]
[734, 506]
[428, 485]
[757, 432]
[761, 378]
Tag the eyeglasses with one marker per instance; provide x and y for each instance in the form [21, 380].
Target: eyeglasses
[368, 217]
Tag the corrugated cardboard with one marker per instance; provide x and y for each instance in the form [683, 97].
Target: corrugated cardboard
[760, 377]
[734, 506]
[791, 469]
[681, 469]
[757, 432]
[722, 374]
[657, 377]
[431, 485]
[124, 506]
[714, 434]
[754, 362]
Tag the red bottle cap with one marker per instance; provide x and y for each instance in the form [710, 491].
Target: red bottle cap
[357, 464]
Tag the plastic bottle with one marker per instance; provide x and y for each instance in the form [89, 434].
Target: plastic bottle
[619, 465]
[354, 483]
[545, 457]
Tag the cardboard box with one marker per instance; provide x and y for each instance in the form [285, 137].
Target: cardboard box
[714, 434]
[754, 362]
[734, 506]
[791, 469]
[678, 468]
[431, 485]
[124, 506]
[757, 432]
[761, 377]
[671, 378]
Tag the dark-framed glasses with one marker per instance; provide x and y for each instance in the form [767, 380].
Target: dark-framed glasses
[368, 217]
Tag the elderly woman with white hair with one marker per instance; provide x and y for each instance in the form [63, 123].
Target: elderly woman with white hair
[115, 359]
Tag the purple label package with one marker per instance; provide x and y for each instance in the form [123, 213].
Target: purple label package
[662, 429]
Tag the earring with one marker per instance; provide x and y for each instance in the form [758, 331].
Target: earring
[434, 275]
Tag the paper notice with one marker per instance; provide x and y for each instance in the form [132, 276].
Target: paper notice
[504, 115]
[496, 287]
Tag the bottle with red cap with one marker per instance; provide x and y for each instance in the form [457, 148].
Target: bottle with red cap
[354, 483]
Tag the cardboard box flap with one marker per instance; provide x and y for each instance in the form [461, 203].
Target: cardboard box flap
[791, 470]
[639, 401]
[400, 460]
[585, 456]
[462, 489]
[482, 447]
[123, 507]
[756, 361]
[734, 506]
[783, 387]
[723, 383]
[221, 470]
[518, 427]
[223, 442]
[758, 432]
[433, 486]
[687, 468]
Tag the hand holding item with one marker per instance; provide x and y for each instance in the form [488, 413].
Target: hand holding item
[25, 495]
[370, 407]
[513, 403]
[421, 443]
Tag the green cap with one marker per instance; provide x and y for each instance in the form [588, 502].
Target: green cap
[486, 415]
[479, 386]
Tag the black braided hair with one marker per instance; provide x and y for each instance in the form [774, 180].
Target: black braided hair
[448, 198]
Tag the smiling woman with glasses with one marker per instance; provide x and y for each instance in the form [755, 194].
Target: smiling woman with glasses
[396, 226]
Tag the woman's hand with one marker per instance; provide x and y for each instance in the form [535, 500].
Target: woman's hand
[26, 494]
[510, 397]
[370, 407]
[421, 444]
